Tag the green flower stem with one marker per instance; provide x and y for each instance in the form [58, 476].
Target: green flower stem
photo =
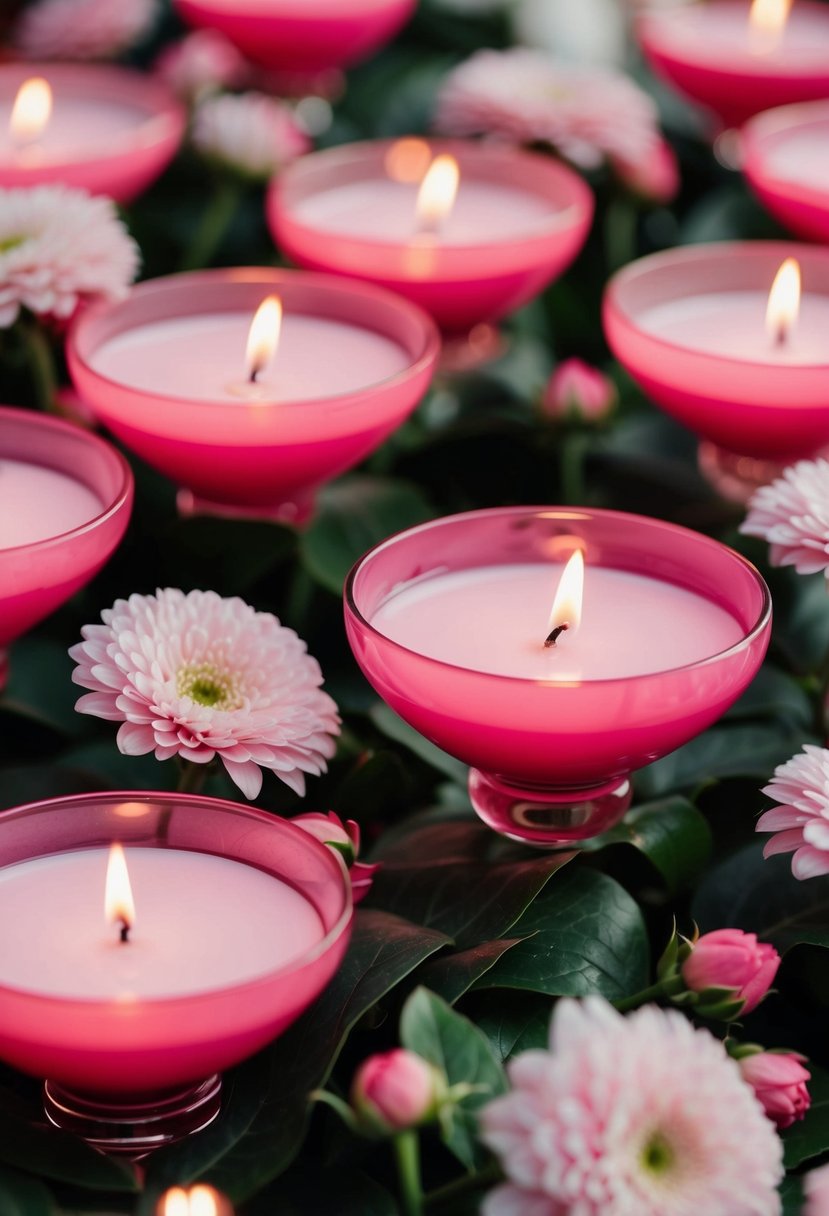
[572, 452]
[191, 777]
[214, 224]
[41, 365]
[620, 225]
[407, 1155]
[445, 1196]
[662, 988]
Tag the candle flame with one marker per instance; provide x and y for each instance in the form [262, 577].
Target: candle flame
[767, 21]
[196, 1201]
[436, 196]
[566, 613]
[263, 338]
[119, 907]
[31, 111]
[784, 301]
[408, 159]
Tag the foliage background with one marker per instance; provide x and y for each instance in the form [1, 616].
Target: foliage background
[494, 930]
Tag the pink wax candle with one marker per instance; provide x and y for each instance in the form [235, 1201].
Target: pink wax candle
[240, 920]
[689, 326]
[108, 130]
[302, 34]
[65, 500]
[448, 622]
[713, 54]
[517, 221]
[785, 163]
[167, 371]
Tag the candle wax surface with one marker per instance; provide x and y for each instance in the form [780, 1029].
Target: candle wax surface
[379, 209]
[802, 157]
[202, 922]
[715, 33]
[78, 129]
[202, 358]
[495, 619]
[732, 324]
[37, 503]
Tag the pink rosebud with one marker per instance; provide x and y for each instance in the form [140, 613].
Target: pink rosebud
[816, 1190]
[203, 62]
[345, 838]
[653, 175]
[396, 1090]
[778, 1078]
[729, 958]
[577, 390]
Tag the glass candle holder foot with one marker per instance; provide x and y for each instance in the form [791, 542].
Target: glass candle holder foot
[138, 1127]
[298, 512]
[4, 669]
[482, 344]
[547, 818]
[733, 476]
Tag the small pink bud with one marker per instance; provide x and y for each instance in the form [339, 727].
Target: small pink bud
[654, 177]
[729, 958]
[779, 1081]
[396, 1090]
[345, 838]
[578, 391]
[816, 1190]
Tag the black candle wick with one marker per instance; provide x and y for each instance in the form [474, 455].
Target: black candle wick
[125, 930]
[553, 635]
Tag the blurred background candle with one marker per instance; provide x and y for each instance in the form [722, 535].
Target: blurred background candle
[468, 231]
[786, 164]
[103, 129]
[449, 621]
[65, 500]
[698, 331]
[737, 58]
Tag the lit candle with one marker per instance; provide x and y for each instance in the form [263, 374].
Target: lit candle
[738, 59]
[696, 327]
[331, 369]
[449, 622]
[197, 1200]
[104, 129]
[469, 231]
[785, 162]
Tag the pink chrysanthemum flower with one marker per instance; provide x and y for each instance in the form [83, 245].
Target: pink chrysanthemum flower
[636, 1116]
[588, 114]
[83, 29]
[801, 822]
[203, 62]
[57, 247]
[250, 133]
[816, 1190]
[198, 676]
[792, 514]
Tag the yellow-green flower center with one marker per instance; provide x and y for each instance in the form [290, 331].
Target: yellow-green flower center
[10, 242]
[657, 1155]
[205, 684]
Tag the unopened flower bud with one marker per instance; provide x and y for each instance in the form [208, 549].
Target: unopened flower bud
[578, 392]
[778, 1079]
[396, 1090]
[736, 962]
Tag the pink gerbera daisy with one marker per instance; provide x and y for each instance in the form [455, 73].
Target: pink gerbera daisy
[636, 1116]
[792, 514]
[801, 822]
[198, 676]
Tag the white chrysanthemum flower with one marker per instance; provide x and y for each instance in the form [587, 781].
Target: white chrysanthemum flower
[57, 247]
[587, 113]
[801, 822]
[636, 1116]
[253, 134]
[199, 676]
[792, 514]
[83, 29]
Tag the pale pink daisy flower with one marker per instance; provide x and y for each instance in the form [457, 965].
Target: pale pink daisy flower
[801, 822]
[636, 1116]
[199, 676]
[792, 514]
[816, 1190]
[201, 63]
[59, 246]
[587, 113]
[253, 134]
[83, 29]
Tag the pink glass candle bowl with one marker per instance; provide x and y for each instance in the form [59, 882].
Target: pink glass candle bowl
[131, 1066]
[675, 627]
[302, 35]
[709, 52]
[65, 501]
[165, 371]
[785, 163]
[112, 131]
[518, 221]
[689, 326]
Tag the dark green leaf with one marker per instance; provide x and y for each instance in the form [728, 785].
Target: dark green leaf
[387, 721]
[810, 1137]
[378, 781]
[24, 1196]
[514, 1022]
[208, 551]
[451, 975]
[724, 751]
[775, 695]
[672, 834]
[583, 934]
[791, 1193]
[40, 686]
[452, 1043]
[353, 515]
[43, 1150]
[341, 1190]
